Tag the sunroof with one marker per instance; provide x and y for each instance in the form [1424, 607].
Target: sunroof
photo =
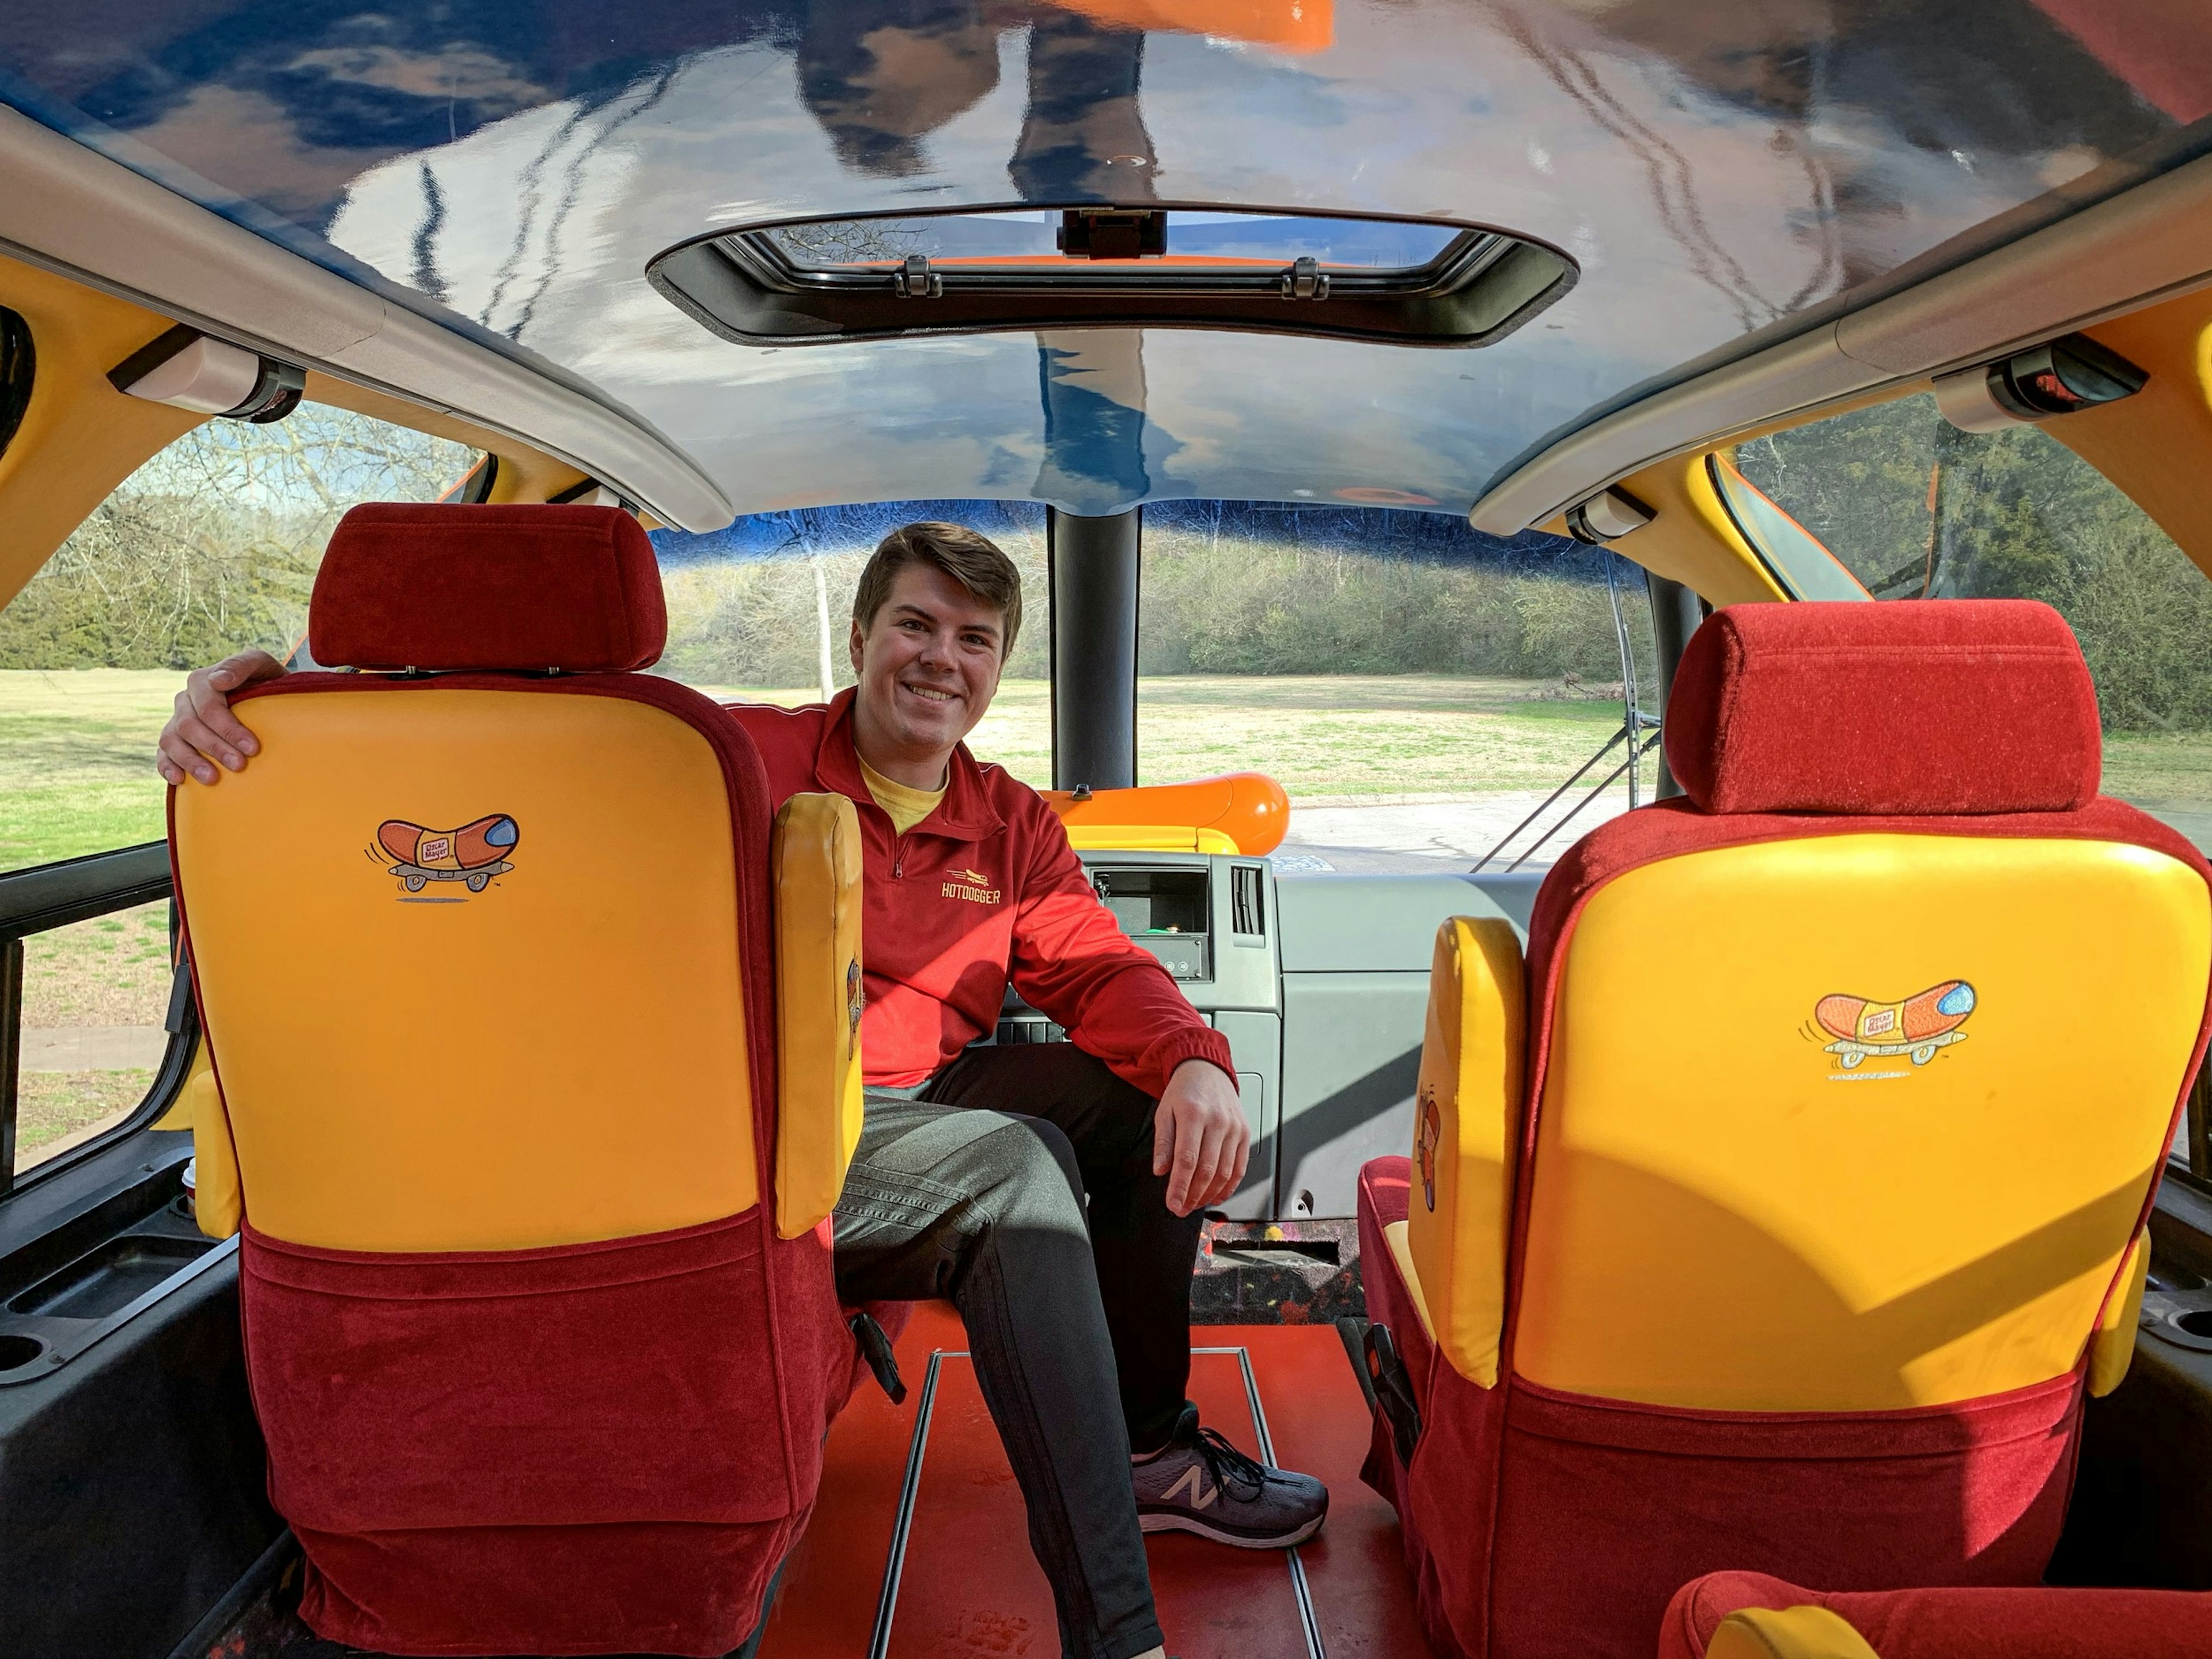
[1407, 281]
[1195, 238]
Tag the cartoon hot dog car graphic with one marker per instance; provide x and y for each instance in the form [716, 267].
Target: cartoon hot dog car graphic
[1918, 1025]
[473, 854]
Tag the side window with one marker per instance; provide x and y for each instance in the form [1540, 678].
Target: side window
[762, 611]
[1429, 697]
[1916, 508]
[209, 548]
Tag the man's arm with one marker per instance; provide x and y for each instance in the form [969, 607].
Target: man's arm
[1073, 963]
[203, 732]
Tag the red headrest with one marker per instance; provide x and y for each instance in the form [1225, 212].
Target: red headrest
[1931, 707]
[569, 588]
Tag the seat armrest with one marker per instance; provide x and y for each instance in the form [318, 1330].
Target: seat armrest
[218, 1202]
[1807, 1632]
[815, 858]
[1465, 1130]
[2113, 1344]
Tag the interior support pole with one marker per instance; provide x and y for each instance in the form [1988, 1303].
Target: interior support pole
[1677, 610]
[1093, 563]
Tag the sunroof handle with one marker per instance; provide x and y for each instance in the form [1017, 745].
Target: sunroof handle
[915, 280]
[1113, 233]
[1304, 281]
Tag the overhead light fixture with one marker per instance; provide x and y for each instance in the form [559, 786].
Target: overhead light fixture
[591, 493]
[2057, 378]
[187, 369]
[1606, 517]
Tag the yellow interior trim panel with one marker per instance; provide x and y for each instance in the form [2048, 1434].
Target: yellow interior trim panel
[1787, 1633]
[2112, 1348]
[1466, 1121]
[816, 857]
[1691, 539]
[469, 964]
[80, 436]
[1854, 1122]
[2153, 445]
[1147, 838]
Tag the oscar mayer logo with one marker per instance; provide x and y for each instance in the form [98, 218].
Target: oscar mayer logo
[1920, 1026]
[470, 856]
[970, 885]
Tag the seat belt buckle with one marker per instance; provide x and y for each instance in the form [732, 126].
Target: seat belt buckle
[876, 1349]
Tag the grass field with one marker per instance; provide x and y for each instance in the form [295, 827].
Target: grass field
[1325, 738]
[110, 971]
[76, 774]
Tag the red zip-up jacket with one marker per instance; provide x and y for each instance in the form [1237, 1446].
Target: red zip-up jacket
[984, 889]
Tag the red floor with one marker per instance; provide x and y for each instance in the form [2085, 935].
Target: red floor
[968, 1588]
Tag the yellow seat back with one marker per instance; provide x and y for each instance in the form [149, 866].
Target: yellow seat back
[1779, 1167]
[413, 1060]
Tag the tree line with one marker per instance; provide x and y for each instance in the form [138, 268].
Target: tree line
[1919, 509]
[213, 545]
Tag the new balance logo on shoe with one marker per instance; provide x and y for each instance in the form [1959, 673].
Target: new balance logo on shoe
[1190, 1487]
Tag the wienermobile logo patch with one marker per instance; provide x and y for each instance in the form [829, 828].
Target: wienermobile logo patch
[471, 854]
[1920, 1025]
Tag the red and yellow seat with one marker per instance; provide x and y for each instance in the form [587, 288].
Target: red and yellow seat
[1781, 1211]
[1747, 1615]
[535, 1038]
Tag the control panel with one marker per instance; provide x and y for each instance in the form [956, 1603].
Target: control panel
[1169, 912]
[1210, 919]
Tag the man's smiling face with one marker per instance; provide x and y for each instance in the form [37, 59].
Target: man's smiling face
[928, 664]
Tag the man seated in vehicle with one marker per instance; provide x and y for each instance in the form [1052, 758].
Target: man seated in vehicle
[969, 1178]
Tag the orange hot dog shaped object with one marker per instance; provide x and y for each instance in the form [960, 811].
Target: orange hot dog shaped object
[1243, 812]
[471, 846]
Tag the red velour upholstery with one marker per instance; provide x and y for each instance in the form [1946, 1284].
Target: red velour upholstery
[1956, 706]
[581, 1448]
[1961, 1624]
[445, 1430]
[1540, 1524]
[574, 588]
[587, 1448]
[1385, 1189]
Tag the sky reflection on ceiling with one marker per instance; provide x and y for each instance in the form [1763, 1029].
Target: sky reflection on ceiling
[1723, 173]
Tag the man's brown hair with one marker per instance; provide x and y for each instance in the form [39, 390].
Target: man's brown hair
[969, 557]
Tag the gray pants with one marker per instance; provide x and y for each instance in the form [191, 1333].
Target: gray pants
[985, 1208]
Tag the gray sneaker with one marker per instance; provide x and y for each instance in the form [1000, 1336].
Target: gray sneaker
[1199, 1482]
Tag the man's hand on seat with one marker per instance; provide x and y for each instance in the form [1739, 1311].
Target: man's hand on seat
[203, 732]
[1200, 1140]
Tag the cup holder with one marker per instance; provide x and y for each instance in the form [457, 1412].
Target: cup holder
[17, 1351]
[2186, 1324]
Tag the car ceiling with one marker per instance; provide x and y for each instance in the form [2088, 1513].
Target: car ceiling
[1724, 174]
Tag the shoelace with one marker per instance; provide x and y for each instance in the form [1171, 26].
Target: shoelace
[1227, 1464]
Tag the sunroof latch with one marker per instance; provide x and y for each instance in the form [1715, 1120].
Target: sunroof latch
[1304, 281]
[915, 280]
